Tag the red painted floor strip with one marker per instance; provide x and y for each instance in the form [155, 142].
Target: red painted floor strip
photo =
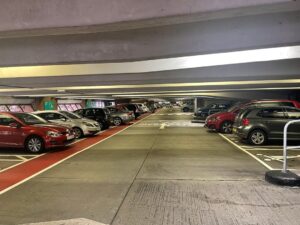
[23, 171]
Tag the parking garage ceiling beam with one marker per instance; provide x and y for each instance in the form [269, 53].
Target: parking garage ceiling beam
[42, 17]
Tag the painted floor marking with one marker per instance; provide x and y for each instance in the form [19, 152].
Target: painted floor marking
[162, 126]
[19, 174]
[245, 151]
[77, 221]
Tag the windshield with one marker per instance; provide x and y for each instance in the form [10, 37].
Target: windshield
[71, 115]
[30, 119]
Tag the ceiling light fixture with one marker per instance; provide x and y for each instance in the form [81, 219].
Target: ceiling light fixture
[155, 65]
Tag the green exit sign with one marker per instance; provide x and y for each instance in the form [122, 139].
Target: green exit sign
[49, 105]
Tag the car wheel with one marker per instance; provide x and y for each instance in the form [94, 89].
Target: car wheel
[257, 137]
[117, 121]
[101, 125]
[226, 127]
[185, 109]
[78, 132]
[34, 144]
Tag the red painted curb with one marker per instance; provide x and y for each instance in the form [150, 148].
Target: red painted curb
[19, 173]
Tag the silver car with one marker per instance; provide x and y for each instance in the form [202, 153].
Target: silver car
[81, 126]
[120, 115]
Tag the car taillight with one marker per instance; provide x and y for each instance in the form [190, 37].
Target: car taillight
[245, 122]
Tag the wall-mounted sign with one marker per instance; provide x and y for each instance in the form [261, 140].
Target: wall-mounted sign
[49, 105]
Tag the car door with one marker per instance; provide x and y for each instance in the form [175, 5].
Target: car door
[9, 135]
[90, 114]
[275, 120]
[293, 129]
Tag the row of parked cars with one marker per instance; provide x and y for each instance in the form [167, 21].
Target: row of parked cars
[41, 130]
[257, 121]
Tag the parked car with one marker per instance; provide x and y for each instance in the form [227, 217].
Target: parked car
[257, 125]
[134, 108]
[204, 112]
[81, 126]
[143, 107]
[102, 116]
[223, 121]
[188, 108]
[24, 130]
[120, 115]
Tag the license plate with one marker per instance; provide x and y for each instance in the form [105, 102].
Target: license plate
[70, 137]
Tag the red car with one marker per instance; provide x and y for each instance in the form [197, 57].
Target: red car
[31, 132]
[223, 121]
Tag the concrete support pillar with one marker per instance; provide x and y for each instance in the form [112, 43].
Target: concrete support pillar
[195, 104]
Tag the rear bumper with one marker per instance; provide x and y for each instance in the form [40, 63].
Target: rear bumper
[241, 132]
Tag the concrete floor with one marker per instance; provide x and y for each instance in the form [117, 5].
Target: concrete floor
[146, 175]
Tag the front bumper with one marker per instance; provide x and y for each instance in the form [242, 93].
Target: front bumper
[61, 141]
[211, 124]
[90, 130]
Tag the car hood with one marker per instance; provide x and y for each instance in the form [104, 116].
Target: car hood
[52, 127]
[223, 114]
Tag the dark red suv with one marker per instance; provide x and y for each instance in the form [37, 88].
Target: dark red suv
[223, 121]
[31, 132]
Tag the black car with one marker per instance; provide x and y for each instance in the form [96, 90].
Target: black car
[102, 116]
[260, 124]
[204, 112]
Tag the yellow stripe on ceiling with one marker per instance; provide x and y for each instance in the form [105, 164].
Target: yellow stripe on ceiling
[156, 65]
[196, 84]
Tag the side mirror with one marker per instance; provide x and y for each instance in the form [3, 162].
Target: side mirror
[15, 125]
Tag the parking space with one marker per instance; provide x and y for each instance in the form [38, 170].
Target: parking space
[271, 155]
[9, 159]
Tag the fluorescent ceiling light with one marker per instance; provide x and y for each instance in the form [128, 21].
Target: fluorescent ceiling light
[156, 65]
[129, 86]
[201, 92]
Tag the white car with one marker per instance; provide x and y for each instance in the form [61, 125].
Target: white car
[81, 126]
[143, 107]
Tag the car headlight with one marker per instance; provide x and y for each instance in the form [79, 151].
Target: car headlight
[53, 134]
[88, 124]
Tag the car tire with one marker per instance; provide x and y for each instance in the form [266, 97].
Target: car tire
[117, 121]
[185, 109]
[34, 144]
[226, 127]
[257, 137]
[78, 132]
[101, 125]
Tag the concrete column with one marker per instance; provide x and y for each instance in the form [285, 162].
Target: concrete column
[195, 104]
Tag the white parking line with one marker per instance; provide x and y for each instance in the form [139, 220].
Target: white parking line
[11, 160]
[21, 157]
[245, 151]
[262, 149]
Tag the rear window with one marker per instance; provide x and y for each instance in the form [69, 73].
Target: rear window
[293, 113]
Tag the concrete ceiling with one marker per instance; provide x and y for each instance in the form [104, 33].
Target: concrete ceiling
[198, 33]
